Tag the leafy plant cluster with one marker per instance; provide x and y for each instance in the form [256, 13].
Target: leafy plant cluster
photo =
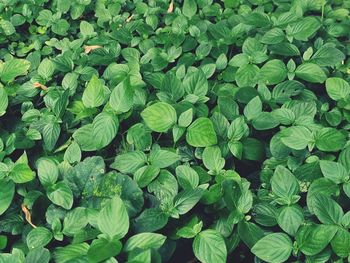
[174, 131]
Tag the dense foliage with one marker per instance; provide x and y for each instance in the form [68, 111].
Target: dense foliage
[159, 131]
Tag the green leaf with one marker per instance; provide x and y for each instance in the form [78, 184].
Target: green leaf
[47, 172]
[341, 243]
[145, 175]
[38, 237]
[144, 241]
[312, 239]
[4, 101]
[209, 247]
[86, 29]
[122, 97]
[150, 220]
[102, 249]
[75, 221]
[273, 36]
[61, 195]
[201, 133]
[189, 8]
[159, 117]
[311, 72]
[13, 68]
[51, 132]
[70, 252]
[185, 118]
[273, 72]
[73, 153]
[327, 56]
[274, 248]
[246, 75]
[163, 158]
[187, 199]
[129, 162]
[284, 184]
[93, 95]
[330, 140]
[296, 137]
[334, 171]
[113, 219]
[6, 194]
[21, 173]
[327, 210]
[38, 255]
[104, 129]
[195, 82]
[304, 28]
[337, 88]
[290, 219]
[187, 177]
[46, 69]
[212, 159]
[253, 108]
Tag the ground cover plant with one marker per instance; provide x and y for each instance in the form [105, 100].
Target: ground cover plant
[174, 131]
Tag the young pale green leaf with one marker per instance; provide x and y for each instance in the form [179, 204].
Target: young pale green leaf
[201, 133]
[47, 171]
[61, 195]
[145, 175]
[73, 153]
[337, 88]
[159, 117]
[273, 248]
[113, 219]
[144, 241]
[209, 247]
[4, 101]
[189, 8]
[93, 95]
[253, 108]
[185, 118]
[212, 159]
[21, 173]
[13, 68]
[187, 177]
